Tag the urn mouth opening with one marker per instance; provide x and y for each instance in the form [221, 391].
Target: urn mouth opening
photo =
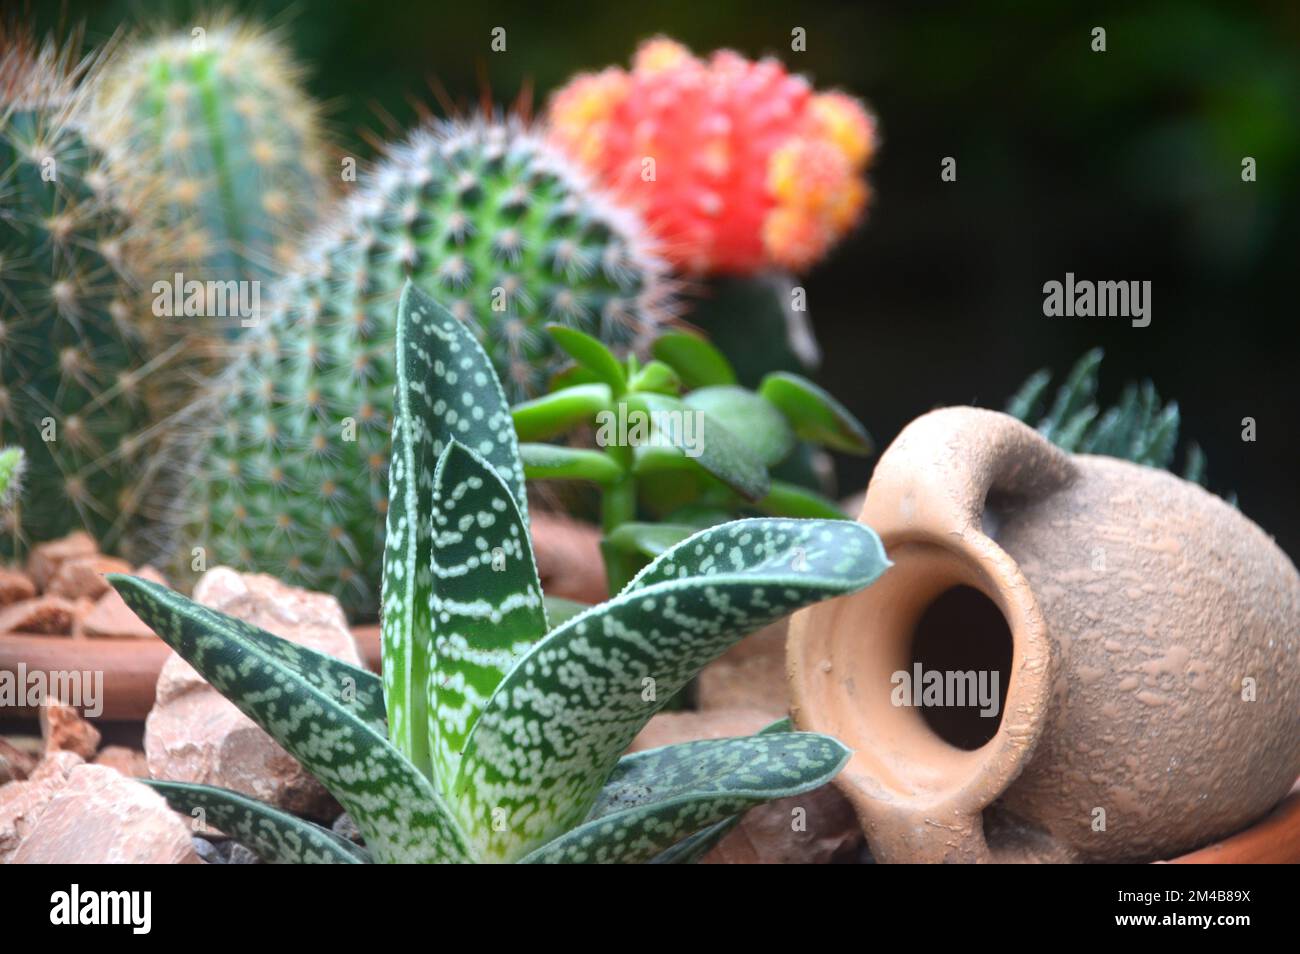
[961, 667]
[956, 607]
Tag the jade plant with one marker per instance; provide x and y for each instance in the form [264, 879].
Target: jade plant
[494, 734]
[680, 441]
[1140, 428]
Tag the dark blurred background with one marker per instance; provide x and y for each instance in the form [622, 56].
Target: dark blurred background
[1117, 165]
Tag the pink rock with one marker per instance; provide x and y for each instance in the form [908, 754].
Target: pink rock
[193, 734]
[817, 827]
[44, 615]
[111, 618]
[64, 730]
[569, 561]
[130, 762]
[84, 576]
[21, 803]
[15, 764]
[15, 586]
[46, 558]
[98, 816]
[749, 675]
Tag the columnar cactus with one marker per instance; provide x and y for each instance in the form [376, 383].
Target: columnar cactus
[216, 119]
[738, 164]
[83, 381]
[497, 227]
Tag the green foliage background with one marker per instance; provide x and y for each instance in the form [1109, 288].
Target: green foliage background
[1122, 165]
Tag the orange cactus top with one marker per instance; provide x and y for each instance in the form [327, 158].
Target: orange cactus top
[736, 164]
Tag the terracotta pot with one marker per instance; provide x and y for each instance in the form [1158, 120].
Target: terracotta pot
[1129, 614]
[130, 666]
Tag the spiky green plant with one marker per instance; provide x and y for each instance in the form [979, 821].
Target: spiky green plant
[703, 450]
[486, 217]
[216, 119]
[1139, 428]
[84, 366]
[11, 481]
[493, 737]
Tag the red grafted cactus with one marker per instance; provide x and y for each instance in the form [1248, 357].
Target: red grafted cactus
[737, 164]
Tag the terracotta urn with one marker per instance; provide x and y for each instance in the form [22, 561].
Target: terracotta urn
[1117, 655]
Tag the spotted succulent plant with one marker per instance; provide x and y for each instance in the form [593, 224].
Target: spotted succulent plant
[493, 736]
[495, 224]
[738, 164]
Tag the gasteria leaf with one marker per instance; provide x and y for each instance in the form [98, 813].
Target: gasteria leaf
[694, 847]
[556, 725]
[445, 389]
[815, 415]
[652, 797]
[401, 815]
[276, 836]
[487, 608]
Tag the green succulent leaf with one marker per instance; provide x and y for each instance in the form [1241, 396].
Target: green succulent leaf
[556, 462]
[755, 422]
[694, 847]
[446, 388]
[815, 415]
[275, 835]
[554, 729]
[1078, 392]
[337, 739]
[648, 539]
[714, 449]
[1194, 468]
[487, 599]
[1025, 403]
[790, 500]
[658, 377]
[559, 412]
[654, 798]
[559, 610]
[591, 353]
[697, 362]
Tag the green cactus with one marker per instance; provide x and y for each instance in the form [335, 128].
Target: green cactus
[11, 479]
[216, 119]
[83, 381]
[486, 218]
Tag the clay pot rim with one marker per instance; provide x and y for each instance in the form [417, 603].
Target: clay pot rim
[985, 771]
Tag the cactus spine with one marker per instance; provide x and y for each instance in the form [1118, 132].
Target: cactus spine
[217, 117]
[483, 216]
